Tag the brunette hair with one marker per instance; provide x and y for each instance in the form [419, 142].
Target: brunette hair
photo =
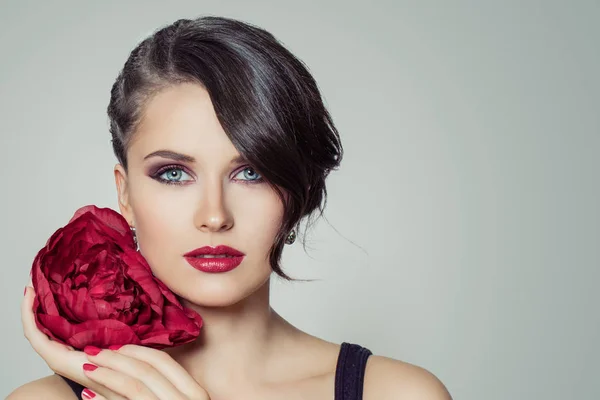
[265, 98]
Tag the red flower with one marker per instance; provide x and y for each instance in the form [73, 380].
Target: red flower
[93, 288]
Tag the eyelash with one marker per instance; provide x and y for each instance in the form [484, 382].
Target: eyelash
[173, 167]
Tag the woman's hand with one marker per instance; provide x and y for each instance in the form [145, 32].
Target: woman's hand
[130, 372]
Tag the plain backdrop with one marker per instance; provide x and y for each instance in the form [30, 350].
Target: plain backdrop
[462, 230]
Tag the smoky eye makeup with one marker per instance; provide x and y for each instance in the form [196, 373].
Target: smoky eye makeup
[176, 174]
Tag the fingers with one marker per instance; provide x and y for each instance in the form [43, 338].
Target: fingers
[62, 359]
[132, 372]
[167, 367]
[88, 394]
[130, 377]
[128, 386]
[140, 368]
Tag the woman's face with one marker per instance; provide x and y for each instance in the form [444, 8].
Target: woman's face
[202, 194]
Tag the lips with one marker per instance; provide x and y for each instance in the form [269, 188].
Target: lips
[214, 259]
[221, 250]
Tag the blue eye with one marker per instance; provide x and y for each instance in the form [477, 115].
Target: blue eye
[172, 175]
[248, 174]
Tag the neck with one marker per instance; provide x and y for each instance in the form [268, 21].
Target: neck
[237, 343]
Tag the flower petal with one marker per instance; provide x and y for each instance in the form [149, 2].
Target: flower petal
[102, 333]
[93, 288]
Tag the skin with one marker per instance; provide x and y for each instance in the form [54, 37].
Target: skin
[218, 201]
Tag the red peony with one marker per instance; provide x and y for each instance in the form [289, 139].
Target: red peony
[93, 288]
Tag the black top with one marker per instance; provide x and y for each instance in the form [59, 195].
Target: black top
[349, 373]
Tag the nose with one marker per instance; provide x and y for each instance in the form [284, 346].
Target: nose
[212, 214]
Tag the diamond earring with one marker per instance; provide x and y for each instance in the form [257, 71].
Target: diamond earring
[291, 238]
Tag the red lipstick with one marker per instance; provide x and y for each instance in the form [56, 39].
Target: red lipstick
[214, 259]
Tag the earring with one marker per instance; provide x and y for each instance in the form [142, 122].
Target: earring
[137, 246]
[291, 238]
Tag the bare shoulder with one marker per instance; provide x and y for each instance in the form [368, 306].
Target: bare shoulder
[51, 387]
[386, 378]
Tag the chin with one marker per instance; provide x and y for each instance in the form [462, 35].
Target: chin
[219, 290]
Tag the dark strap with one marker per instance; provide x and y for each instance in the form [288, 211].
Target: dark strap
[350, 372]
[77, 388]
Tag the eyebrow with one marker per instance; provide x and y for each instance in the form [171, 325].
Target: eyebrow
[173, 155]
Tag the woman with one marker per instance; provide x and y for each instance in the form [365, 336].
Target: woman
[223, 146]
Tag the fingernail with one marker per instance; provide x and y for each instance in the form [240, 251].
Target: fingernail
[88, 394]
[91, 350]
[115, 347]
[25, 292]
[89, 367]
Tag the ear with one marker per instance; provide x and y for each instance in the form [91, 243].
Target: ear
[123, 194]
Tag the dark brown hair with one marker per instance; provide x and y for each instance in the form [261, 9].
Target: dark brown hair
[264, 97]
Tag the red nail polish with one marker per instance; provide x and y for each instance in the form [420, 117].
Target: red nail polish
[91, 350]
[115, 347]
[89, 367]
[88, 394]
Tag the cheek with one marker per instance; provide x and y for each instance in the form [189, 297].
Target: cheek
[163, 216]
[257, 215]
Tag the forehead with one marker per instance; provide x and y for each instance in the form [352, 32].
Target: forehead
[181, 118]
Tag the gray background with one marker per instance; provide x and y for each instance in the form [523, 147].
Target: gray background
[462, 230]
